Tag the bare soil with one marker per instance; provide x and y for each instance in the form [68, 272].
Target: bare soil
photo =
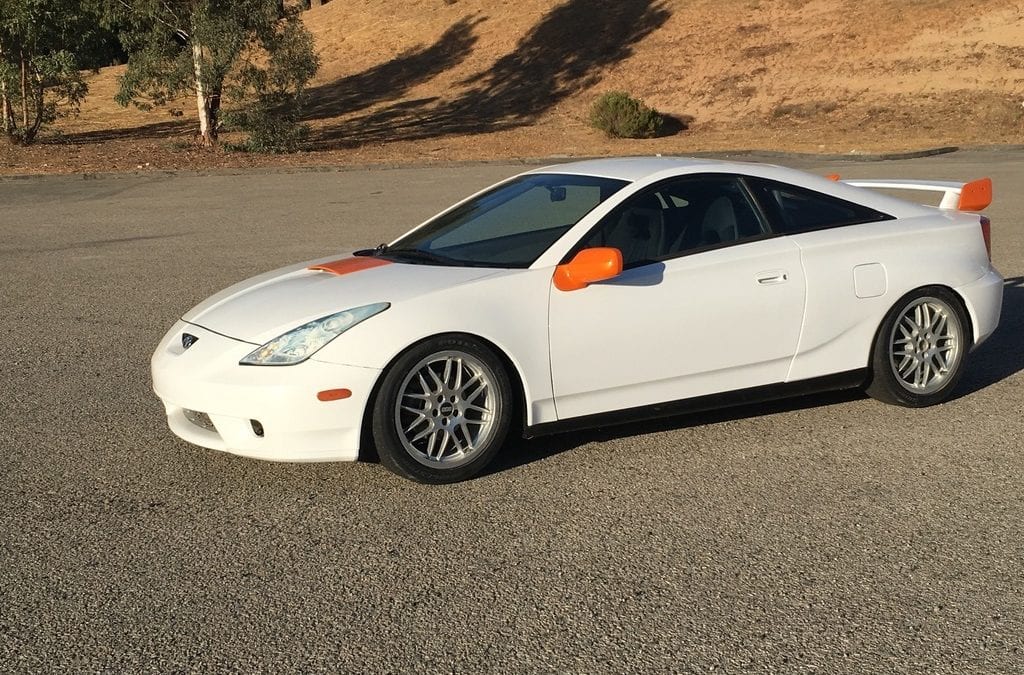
[441, 80]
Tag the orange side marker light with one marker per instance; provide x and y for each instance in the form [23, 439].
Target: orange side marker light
[833, 176]
[333, 394]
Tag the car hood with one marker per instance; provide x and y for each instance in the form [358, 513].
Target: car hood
[259, 309]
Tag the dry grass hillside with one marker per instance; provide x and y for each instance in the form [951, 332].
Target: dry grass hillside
[422, 80]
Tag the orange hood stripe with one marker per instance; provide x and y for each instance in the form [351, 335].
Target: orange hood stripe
[346, 265]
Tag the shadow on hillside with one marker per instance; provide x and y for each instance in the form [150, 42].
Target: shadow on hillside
[563, 54]
[391, 80]
[156, 130]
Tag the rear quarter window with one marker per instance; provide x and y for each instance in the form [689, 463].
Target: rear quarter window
[792, 209]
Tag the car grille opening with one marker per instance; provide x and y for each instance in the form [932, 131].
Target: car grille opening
[200, 419]
[257, 427]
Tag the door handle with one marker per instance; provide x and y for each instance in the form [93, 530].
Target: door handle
[772, 277]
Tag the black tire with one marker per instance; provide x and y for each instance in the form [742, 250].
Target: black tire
[431, 423]
[932, 361]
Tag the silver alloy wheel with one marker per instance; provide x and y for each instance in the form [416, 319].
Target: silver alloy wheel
[447, 409]
[926, 345]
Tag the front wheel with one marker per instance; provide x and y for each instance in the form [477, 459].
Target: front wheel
[919, 354]
[443, 410]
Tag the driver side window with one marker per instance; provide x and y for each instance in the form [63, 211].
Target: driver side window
[677, 217]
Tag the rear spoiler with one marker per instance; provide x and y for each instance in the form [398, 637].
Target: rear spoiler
[972, 196]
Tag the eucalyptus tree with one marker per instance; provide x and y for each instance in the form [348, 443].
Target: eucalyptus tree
[249, 51]
[39, 73]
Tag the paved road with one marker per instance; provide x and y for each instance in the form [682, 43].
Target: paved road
[833, 534]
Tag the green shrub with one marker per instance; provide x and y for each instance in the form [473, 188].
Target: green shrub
[621, 116]
[272, 123]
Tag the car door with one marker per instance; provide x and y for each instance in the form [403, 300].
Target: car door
[709, 301]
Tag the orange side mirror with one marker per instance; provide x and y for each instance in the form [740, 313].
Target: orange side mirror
[589, 265]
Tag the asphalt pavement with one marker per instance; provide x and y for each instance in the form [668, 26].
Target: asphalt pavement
[829, 534]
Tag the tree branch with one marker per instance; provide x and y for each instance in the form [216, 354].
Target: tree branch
[177, 31]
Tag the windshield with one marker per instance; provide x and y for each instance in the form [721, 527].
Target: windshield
[509, 226]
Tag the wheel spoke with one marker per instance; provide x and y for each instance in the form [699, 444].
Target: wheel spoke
[446, 436]
[437, 381]
[456, 443]
[467, 434]
[415, 423]
[446, 376]
[477, 408]
[423, 383]
[423, 434]
[469, 383]
[469, 398]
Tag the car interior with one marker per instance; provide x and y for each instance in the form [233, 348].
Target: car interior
[677, 219]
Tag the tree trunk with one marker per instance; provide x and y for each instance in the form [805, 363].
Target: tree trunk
[29, 134]
[5, 104]
[207, 125]
[5, 110]
[24, 92]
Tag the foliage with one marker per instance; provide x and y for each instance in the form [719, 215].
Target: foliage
[272, 89]
[255, 53]
[621, 116]
[39, 73]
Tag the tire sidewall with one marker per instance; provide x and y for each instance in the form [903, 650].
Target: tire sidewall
[390, 449]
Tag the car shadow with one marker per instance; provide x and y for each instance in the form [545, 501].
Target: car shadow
[521, 451]
[1002, 355]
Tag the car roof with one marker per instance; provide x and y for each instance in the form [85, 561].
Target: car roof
[643, 169]
[637, 168]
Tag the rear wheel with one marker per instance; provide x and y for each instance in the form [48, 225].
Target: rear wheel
[443, 410]
[919, 353]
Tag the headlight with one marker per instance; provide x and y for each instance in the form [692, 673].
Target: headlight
[299, 344]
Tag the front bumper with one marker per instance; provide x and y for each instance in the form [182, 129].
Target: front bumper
[265, 412]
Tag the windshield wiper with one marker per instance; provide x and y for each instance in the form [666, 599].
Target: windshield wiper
[419, 255]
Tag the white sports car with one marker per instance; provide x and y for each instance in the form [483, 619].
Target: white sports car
[584, 294]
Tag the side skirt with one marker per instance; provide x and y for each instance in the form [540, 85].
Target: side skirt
[851, 379]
